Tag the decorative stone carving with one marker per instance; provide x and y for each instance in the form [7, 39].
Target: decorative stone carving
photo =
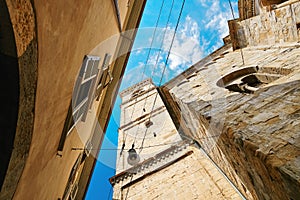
[276, 26]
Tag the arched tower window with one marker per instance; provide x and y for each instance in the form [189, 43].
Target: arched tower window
[250, 79]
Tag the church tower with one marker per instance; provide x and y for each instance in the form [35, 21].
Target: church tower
[155, 161]
[230, 121]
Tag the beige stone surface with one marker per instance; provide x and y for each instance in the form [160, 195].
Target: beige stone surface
[162, 173]
[136, 111]
[193, 177]
[269, 27]
[252, 136]
[23, 21]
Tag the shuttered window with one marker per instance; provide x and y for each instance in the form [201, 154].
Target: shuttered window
[83, 93]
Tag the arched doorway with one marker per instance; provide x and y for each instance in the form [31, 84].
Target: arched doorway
[9, 87]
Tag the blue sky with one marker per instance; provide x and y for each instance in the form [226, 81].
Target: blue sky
[202, 26]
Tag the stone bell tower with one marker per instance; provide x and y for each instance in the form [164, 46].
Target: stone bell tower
[155, 161]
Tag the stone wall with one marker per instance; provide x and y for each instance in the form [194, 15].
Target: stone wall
[169, 167]
[191, 177]
[23, 21]
[272, 27]
[252, 134]
[256, 147]
[141, 104]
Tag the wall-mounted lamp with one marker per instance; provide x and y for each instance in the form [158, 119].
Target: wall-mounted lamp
[133, 157]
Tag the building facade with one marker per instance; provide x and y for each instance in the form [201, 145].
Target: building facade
[170, 165]
[240, 105]
[62, 63]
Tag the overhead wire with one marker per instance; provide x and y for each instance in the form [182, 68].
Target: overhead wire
[152, 39]
[150, 146]
[143, 73]
[164, 69]
[160, 49]
[114, 149]
[166, 61]
[167, 24]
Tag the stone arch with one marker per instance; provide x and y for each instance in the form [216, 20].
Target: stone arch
[10, 89]
[250, 79]
[18, 51]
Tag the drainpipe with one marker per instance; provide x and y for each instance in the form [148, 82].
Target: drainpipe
[117, 13]
[220, 170]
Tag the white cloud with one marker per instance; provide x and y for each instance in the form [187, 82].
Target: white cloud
[203, 3]
[133, 76]
[215, 21]
[214, 8]
[186, 49]
[218, 15]
[219, 23]
[197, 36]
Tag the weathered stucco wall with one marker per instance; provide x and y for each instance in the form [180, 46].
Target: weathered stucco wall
[52, 40]
[66, 31]
[120, 58]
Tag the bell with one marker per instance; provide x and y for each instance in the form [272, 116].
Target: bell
[133, 157]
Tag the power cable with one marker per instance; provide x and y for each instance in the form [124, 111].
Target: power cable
[167, 24]
[164, 69]
[160, 48]
[152, 40]
[153, 37]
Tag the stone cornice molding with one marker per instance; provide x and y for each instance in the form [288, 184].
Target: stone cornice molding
[153, 164]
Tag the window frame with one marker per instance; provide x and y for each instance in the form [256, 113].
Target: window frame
[102, 81]
[79, 106]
